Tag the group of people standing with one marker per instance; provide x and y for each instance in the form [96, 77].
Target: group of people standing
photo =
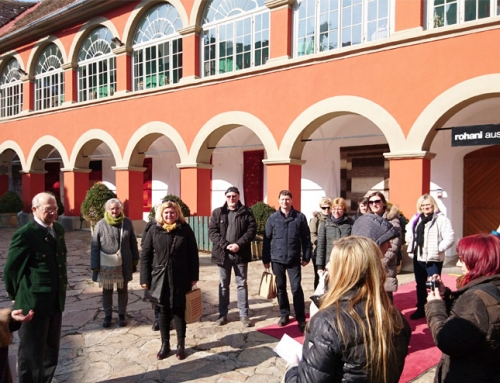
[357, 334]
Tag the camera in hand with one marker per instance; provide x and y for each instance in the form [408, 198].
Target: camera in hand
[431, 284]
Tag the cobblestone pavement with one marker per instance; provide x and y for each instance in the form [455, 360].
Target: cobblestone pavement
[230, 353]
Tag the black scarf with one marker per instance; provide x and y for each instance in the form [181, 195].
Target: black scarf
[419, 232]
[337, 220]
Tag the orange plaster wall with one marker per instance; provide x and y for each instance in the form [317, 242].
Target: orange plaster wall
[280, 21]
[195, 190]
[280, 177]
[410, 14]
[404, 173]
[129, 188]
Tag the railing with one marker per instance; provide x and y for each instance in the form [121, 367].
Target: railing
[199, 225]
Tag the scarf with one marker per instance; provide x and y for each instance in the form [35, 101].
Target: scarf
[169, 227]
[112, 221]
[337, 220]
[419, 232]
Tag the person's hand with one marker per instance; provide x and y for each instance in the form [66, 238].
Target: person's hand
[304, 263]
[434, 295]
[321, 272]
[193, 283]
[267, 265]
[441, 285]
[233, 247]
[17, 315]
[144, 286]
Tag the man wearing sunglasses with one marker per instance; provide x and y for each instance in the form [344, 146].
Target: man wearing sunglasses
[232, 228]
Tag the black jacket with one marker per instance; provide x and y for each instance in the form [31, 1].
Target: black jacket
[325, 358]
[286, 237]
[180, 251]
[246, 228]
[328, 233]
[466, 328]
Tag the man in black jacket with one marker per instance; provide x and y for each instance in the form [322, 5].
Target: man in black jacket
[287, 234]
[232, 227]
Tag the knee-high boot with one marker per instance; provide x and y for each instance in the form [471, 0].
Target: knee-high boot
[181, 351]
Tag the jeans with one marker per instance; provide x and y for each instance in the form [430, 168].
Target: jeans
[423, 270]
[240, 272]
[107, 300]
[39, 348]
[295, 276]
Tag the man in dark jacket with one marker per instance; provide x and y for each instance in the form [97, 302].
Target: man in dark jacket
[287, 234]
[35, 278]
[232, 227]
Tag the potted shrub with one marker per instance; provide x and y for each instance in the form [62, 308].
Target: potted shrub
[261, 212]
[92, 208]
[10, 205]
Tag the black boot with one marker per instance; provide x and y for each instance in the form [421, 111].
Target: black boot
[181, 352]
[164, 350]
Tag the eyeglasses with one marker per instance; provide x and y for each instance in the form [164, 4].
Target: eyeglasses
[48, 209]
[325, 207]
[376, 202]
[231, 196]
[338, 209]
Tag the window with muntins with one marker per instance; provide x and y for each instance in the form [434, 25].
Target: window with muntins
[323, 25]
[97, 66]
[157, 48]
[49, 79]
[450, 12]
[11, 90]
[235, 35]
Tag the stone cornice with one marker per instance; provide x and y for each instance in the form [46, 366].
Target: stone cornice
[69, 65]
[410, 155]
[128, 168]
[194, 166]
[284, 161]
[192, 29]
[121, 50]
[273, 4]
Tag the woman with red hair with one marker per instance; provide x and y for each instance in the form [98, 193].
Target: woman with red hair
[465, 324]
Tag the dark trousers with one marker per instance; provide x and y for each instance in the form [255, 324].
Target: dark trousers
[107, 300]
[316, 276]
[179, 316]
[294, 274]
[423, 270]
[39, 348]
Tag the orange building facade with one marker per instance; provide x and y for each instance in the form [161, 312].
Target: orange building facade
[270, 77]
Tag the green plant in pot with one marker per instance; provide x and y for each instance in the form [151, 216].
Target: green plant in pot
[261, 212]
[186, 212]
[10, 202]
[92, 208]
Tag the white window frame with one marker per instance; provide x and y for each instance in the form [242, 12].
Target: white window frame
[98, 63]
[157, 33]
[365, 34]
[217, 29]
[434, 22]
[11, 90]
[49, 79]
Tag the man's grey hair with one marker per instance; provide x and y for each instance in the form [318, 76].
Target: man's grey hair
[36, 199]
[112, 201]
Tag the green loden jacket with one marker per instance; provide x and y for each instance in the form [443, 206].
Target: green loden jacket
[35, 271]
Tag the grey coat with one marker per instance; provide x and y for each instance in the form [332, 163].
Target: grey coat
[106, 237]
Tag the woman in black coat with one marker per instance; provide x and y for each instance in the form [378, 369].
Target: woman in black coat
[171, 242]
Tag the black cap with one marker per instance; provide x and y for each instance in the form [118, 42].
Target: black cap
[233, 189]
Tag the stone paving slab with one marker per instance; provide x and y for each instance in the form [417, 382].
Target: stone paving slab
[230, 353]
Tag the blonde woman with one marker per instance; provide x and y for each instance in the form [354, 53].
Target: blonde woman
[171, 243]
[358, 334]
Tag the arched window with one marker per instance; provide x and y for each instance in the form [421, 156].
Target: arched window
[235, 35]
[96, 66]
[157, 48]
[49, 79]
[321, 25]
[11, 90]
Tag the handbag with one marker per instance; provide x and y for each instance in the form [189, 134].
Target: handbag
[110, 269]
[267, 288]
[318, 294]
[194, 305]
[153, 294]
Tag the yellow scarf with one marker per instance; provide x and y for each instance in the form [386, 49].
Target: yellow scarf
[169, 227]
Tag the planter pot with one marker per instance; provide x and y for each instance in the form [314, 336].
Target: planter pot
[8, 220]
[257, 249]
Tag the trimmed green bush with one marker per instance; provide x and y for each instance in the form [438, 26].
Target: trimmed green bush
[93, 205]
[261, 212]
[10, 202]
[186, 212]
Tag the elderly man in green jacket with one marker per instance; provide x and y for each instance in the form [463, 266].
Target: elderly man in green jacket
[35, 278]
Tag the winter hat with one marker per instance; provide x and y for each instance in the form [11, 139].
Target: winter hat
[374, 227]
[233, 189]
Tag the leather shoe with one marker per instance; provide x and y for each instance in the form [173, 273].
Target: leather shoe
[302, 326]
[121, 321]
[181, 351]
[107, 322]
[418, 314]
[284, 320]
[221, 321]
[156, 326]
[164, 350]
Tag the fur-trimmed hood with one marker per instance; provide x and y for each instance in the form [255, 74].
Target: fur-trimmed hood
[392, 213]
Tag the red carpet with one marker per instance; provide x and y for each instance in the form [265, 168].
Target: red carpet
[423, 354]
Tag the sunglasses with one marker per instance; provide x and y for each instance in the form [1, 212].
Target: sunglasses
[376, 202]
[232, 196]
[167, 200]
[325, 207]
